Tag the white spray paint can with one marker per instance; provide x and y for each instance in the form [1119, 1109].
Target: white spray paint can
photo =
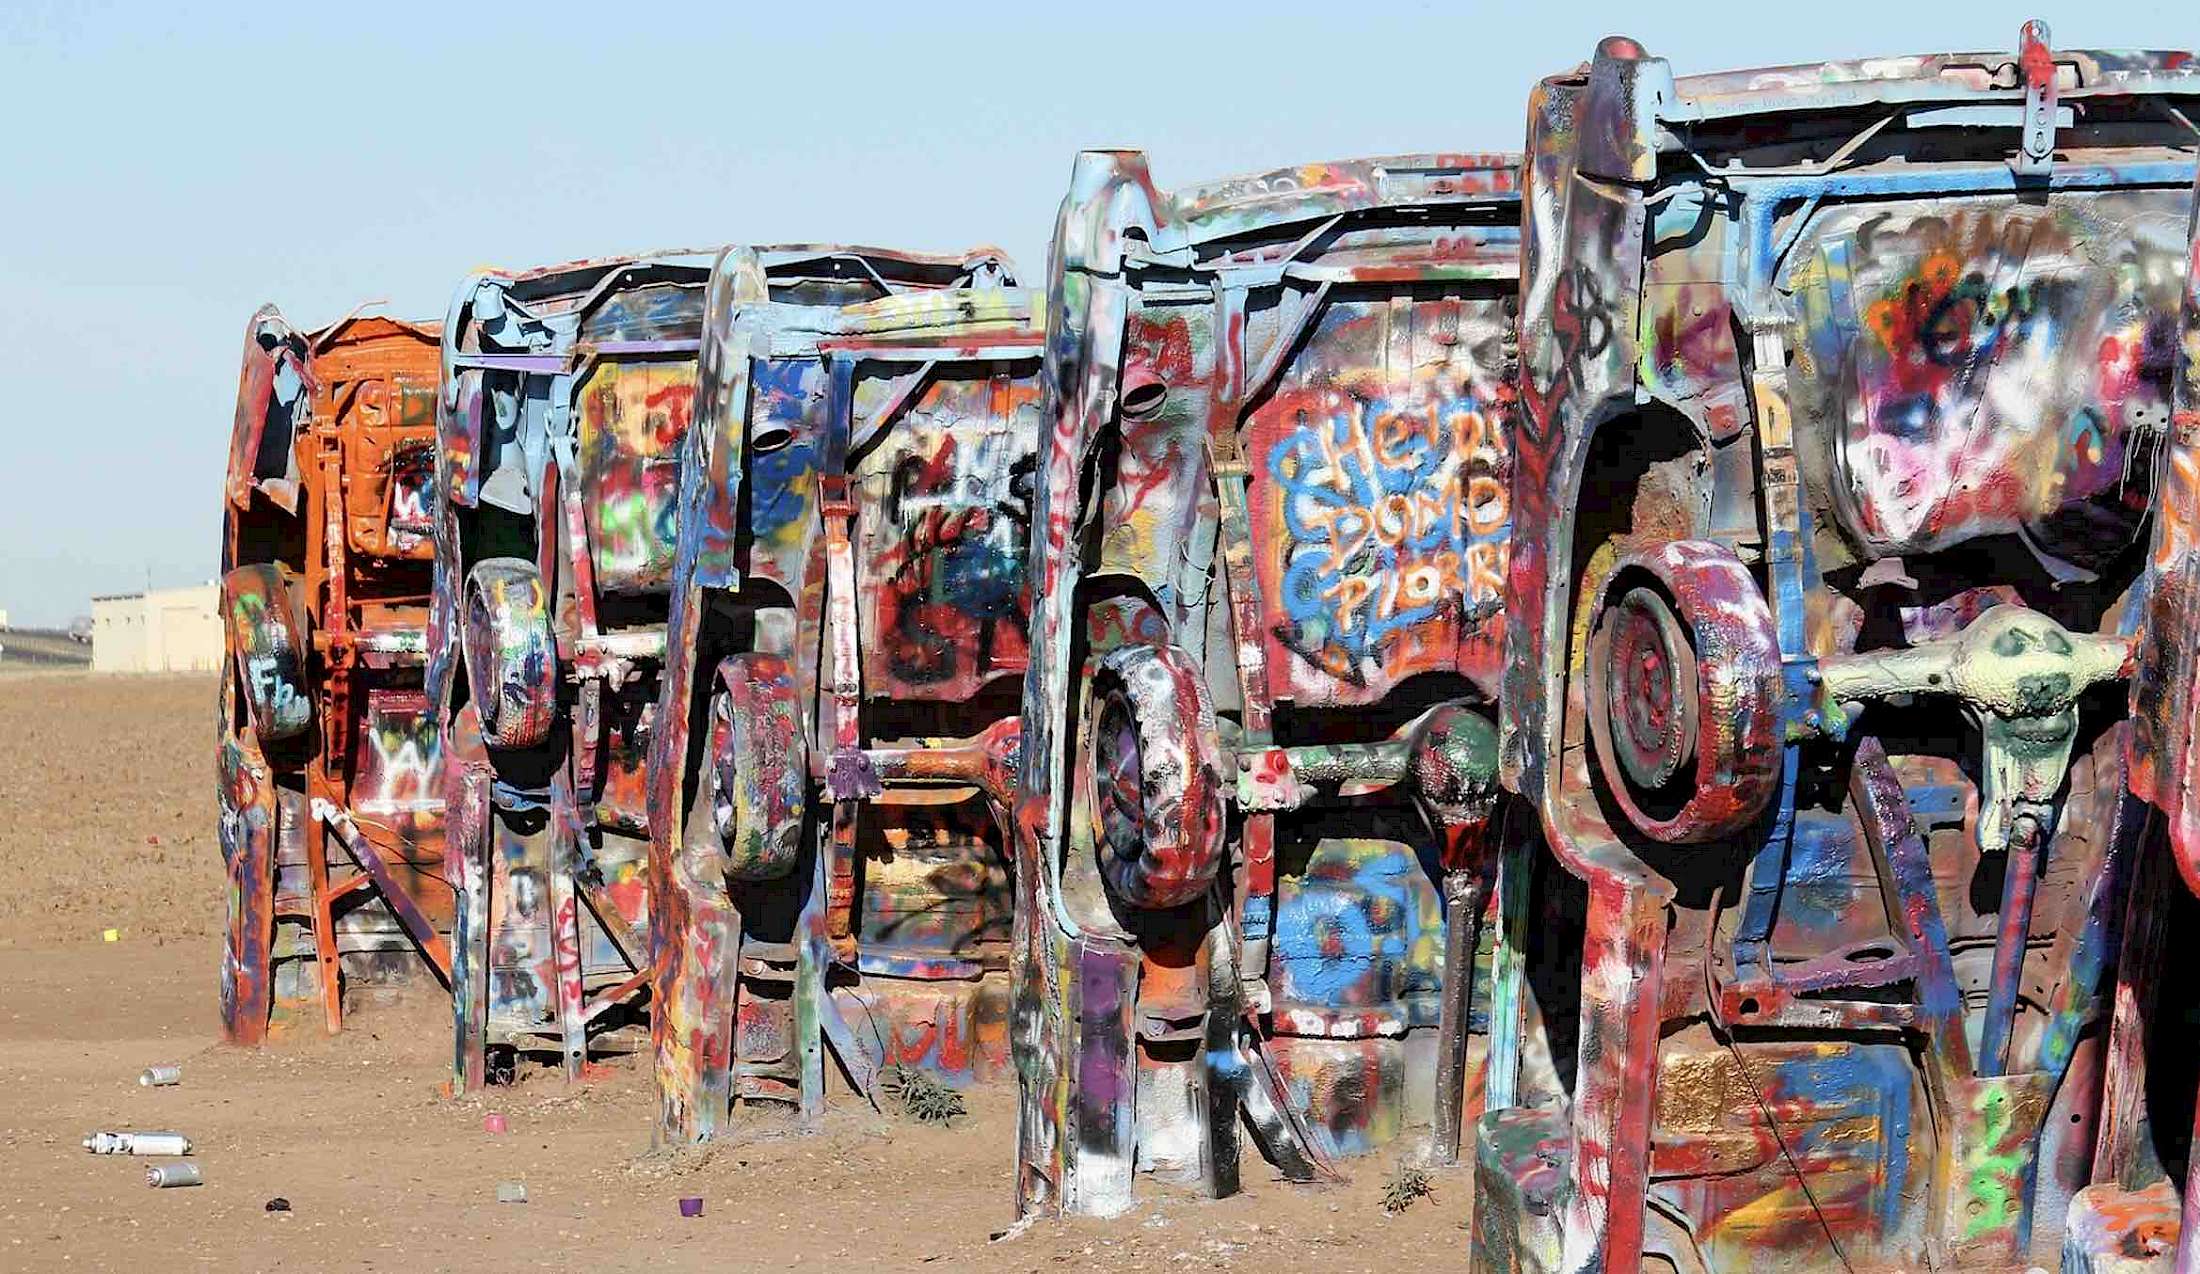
[167, 1176]
[160, 1076]
[138, 1143]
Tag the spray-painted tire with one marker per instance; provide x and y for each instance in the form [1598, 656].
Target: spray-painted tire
[750, 793]
[267, 642]
[1156, 773]
[511, 659]
[1684, 690]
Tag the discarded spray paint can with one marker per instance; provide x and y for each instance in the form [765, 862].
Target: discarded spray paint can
[167, 1176]
[138, 1143]
[511, 1192]
[160, 1077]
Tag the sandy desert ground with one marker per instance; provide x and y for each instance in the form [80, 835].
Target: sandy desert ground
[107, 821]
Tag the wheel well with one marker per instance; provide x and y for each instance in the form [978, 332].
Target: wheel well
[1629, 453]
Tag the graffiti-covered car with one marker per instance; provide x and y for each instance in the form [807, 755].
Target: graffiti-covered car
[830, 782]
[1258, 752]
[331, 807]
[1843, 387]
[566, 393]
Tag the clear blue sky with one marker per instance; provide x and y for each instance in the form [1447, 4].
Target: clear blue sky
[168, 167]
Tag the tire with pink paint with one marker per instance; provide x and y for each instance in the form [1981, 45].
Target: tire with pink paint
[1156, 770]
[749, 793]
[1684, 691]
[267, 642]
[511, 658]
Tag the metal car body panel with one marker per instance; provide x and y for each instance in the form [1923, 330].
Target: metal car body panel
[2140, 1211]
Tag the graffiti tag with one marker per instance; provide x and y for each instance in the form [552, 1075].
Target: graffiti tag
[1396, 513]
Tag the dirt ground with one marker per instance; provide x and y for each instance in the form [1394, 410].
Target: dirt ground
[107, 810]
[107, 821]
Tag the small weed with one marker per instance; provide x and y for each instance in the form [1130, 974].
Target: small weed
[921, 1096]
[1406, 1185]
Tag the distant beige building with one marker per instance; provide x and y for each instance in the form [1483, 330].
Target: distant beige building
[167, 630]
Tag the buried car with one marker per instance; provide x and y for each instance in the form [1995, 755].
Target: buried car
[1258, 756]
[331, 811]
[566, 392]
[1843, 389]
[567, 395]
[830, 780]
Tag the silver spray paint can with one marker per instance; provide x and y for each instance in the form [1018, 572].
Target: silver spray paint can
[167, 1176]
[138, 1143]
[160, 1076]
